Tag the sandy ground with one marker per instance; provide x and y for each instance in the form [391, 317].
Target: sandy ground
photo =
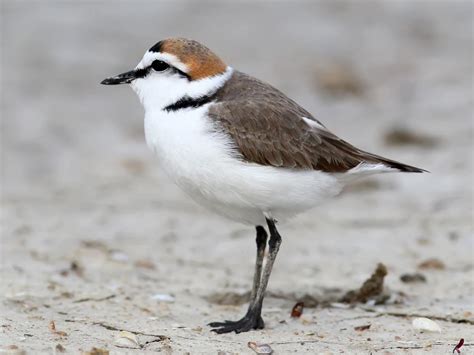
[94, 234]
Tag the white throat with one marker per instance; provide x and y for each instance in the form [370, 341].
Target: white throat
[158, 90]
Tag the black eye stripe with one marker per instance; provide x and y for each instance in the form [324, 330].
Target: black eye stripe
[141, 73]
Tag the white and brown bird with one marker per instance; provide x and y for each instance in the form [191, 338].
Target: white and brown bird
[241, 147]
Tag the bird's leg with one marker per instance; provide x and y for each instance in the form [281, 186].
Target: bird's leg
[248, 321]
[261, 241]
[253, 318]
[273, 247]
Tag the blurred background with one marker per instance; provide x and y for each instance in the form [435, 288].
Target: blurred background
[80, 186]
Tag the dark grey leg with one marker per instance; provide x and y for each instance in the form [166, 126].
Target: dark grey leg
[253, 318]
[261, 240]
[250, 320]
[273, 247]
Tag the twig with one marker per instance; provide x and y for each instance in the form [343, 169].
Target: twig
[136, 332]
[88, 299]
[404, 315]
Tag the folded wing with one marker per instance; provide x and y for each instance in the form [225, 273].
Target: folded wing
[277, 135]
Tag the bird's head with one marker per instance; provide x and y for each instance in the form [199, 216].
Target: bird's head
[172, 69]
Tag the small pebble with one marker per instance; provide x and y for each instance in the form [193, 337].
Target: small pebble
[260, 348]
[433, 264]
[425, 324]
[413, 278]
[119, 256]
[163, 297]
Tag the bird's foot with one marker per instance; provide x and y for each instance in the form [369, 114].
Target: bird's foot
[250, 321]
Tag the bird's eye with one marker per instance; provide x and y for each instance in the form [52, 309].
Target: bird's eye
[159, 65]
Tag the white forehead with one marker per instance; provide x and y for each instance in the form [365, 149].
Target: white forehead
[171, 59]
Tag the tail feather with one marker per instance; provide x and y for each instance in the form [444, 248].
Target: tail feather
[374, 164]
[369, 158]
[400, 166]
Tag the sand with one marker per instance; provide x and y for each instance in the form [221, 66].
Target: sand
[97, 239]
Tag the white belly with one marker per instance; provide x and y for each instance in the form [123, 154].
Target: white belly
[203, 164]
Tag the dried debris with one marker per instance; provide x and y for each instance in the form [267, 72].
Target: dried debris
[404, 137]
[413, 278]
[372, 288]
[457, 348]
[94, 299]
[426, 324]
[297, 310]
[260, 348]
[94, 244]
[59, 348]
[432, 264]
[21, 301]
[361, 328]
[74, 268]
[52, 328]
[145, 264]
[12, 350]
[65, 294]
[96, 351]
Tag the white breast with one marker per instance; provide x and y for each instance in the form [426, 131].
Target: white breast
[204, 164]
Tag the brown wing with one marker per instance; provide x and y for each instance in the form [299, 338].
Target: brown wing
[269, 134]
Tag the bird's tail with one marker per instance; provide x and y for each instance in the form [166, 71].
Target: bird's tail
[392, 164]
[375, 164]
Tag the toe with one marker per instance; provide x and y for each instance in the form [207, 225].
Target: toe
[218, 324]
[221, 324]
[244, 325]
[222, 330]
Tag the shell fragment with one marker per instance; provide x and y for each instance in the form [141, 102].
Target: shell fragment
[426, 324]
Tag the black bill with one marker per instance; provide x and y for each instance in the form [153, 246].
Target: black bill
[124, 78]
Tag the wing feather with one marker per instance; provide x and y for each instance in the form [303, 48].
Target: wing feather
[268, 128]
[277, 137]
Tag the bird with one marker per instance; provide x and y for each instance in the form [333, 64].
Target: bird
[241, 148]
